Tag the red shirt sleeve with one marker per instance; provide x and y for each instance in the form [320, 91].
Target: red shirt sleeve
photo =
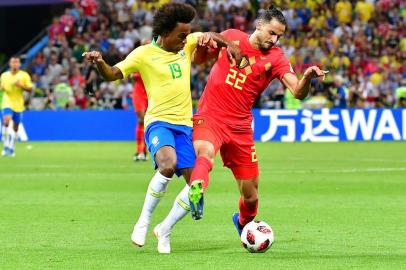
[282, 66]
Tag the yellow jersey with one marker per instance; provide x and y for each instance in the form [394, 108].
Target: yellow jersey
[343, 11]
[364, 10]
[166, 76]
[13, 97]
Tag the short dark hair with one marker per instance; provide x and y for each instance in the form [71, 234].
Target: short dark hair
[169, 15]
[272, 13]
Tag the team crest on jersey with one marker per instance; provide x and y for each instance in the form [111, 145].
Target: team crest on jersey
[182, 53]
[198, 122]
[244, 62]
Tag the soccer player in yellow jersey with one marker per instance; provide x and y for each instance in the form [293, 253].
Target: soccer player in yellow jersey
[164, 66]
[13, 82]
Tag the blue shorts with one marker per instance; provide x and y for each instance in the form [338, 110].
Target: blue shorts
[160, 134]
[16, 116]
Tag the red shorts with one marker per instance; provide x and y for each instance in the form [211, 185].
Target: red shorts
[139, 97]
[237, 147]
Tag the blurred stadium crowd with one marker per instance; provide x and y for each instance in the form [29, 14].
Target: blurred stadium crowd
[361, 43]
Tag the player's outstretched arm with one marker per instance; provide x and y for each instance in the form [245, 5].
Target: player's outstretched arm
[108, 72]
[209, 45]
[300, 88]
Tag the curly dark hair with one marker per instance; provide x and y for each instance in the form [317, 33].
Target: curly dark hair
[169, 15]
[272, 13]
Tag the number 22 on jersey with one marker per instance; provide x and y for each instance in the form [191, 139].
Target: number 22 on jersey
[235, 79]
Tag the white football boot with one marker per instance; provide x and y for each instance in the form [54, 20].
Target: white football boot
[164, 244]
[139, 233]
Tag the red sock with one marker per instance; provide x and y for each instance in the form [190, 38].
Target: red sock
[247, 211]
[136, 138]
[140, 139]
[201, 171]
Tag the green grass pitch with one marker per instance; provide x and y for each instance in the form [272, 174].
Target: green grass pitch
[332, 206]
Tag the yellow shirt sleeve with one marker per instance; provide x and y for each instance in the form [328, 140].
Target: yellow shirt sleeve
[191, 43]
[132, 62]
[27, 80]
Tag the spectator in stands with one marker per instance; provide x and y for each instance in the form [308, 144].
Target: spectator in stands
[62, 93]
[68, 22]
[343, 11]
[359, 40]
[38, 65]
[77, 80]
[339, 93]
[55, 69]
[124, 44]
[364, 10]
[56, 31]
[80, 98]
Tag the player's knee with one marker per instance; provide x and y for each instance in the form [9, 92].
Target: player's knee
[209, 155]
[251, 199]
[167, 167]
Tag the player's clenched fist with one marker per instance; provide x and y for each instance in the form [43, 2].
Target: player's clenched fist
[93, 56]
[206, 40]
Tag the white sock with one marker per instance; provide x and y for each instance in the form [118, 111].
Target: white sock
[13, 139]
[3, 133]
[5, 136]
[180, 208]
[156, 190]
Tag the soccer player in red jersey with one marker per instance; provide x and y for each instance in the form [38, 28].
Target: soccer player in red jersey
[223, 119]
[140, 102]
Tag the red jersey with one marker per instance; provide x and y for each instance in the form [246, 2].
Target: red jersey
[139, 95]
[231, 91]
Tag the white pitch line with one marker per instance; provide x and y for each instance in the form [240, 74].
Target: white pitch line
[350, 170]
[355, 159]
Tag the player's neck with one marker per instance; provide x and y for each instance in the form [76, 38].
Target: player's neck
[14, 72]
[159, 42]
[253, 41]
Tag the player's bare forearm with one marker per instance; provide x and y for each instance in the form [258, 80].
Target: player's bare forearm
[108, 72]
[234, 52]
[300, 88]
[219, 39]
[203, 54]
[210, 43]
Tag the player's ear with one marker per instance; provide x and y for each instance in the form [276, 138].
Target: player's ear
[259, 25]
